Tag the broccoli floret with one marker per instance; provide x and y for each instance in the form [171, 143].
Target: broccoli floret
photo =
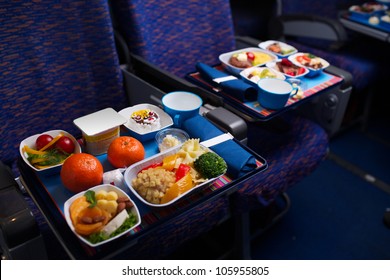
[210, 165]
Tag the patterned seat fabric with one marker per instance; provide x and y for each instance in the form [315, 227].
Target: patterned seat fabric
[58, 62]
[174, 35]
[293, 151]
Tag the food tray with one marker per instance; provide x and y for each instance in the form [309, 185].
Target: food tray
[253, 109]
[133, 170]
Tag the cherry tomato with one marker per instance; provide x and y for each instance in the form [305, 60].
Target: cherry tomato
[65, 144]
[250, 56]
[42, 141]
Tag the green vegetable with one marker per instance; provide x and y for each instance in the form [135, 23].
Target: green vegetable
[90, 196]
[48, 158]
[210, 165]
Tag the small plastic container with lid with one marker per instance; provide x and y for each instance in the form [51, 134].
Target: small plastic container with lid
[100, 129]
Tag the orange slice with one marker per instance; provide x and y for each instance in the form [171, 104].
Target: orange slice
[178, 188]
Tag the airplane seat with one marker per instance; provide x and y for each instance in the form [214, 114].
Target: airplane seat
[313, 26]
[58, 63]
[173, 36]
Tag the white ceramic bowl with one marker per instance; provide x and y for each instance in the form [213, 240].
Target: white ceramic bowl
[179, 137]
[225, 57]
[137, 131]
[286, 49]
[254, 79]
[30, 142]
[132, 171]
[107, 188]
[273, 65]
[312, 71]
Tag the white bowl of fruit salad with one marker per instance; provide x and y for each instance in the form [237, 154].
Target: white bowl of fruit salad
[238, 60]
[45, 152]
[254, 74]
[101, 214]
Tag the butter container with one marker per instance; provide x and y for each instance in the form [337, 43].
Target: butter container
[99, 129]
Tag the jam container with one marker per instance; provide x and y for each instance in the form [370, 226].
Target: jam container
[99, 129]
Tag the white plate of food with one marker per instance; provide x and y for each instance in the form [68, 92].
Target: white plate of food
[166, 177]
[145, 120]
[288, 68]
[101, 214]
[48, 160]
[278, 48]
[238, 60]
[254, 74]
[312, 62]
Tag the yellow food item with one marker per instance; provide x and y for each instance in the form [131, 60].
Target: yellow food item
[87, 220]
[261, 58]
[110, 206]
[178, 188]
[102, 194]
[112, 196]
[169, 162]
[152, 183]
[77, 206]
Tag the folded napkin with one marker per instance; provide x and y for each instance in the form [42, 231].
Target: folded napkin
[231, 85]
[239, 160]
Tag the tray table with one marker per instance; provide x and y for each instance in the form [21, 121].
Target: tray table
[49, 194]
[315, 85]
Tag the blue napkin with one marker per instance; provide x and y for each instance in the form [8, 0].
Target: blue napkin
[231, 85]
[239, 160]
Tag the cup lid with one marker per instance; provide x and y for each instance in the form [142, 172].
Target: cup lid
[99, 121]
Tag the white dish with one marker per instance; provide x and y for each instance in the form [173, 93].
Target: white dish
[105, 187]
[286, 49]
[132, 171]
[30, 142]
[273, 65]
[254, 79]
[225, 57]
[312, 71]
[138, 132]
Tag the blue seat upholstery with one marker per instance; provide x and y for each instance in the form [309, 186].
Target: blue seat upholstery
[174, 35]
[58, 62]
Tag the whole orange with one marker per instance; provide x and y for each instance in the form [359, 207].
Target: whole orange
[124, 151]
[80, 172]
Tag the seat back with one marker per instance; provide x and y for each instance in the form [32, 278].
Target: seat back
[329, 9]
[58, 62]
[174, 35]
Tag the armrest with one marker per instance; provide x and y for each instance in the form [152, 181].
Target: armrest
[309, 26]
[17, 222]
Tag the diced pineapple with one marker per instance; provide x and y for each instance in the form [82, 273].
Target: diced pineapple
[102, 194]
[110, 206]
[112, 195]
